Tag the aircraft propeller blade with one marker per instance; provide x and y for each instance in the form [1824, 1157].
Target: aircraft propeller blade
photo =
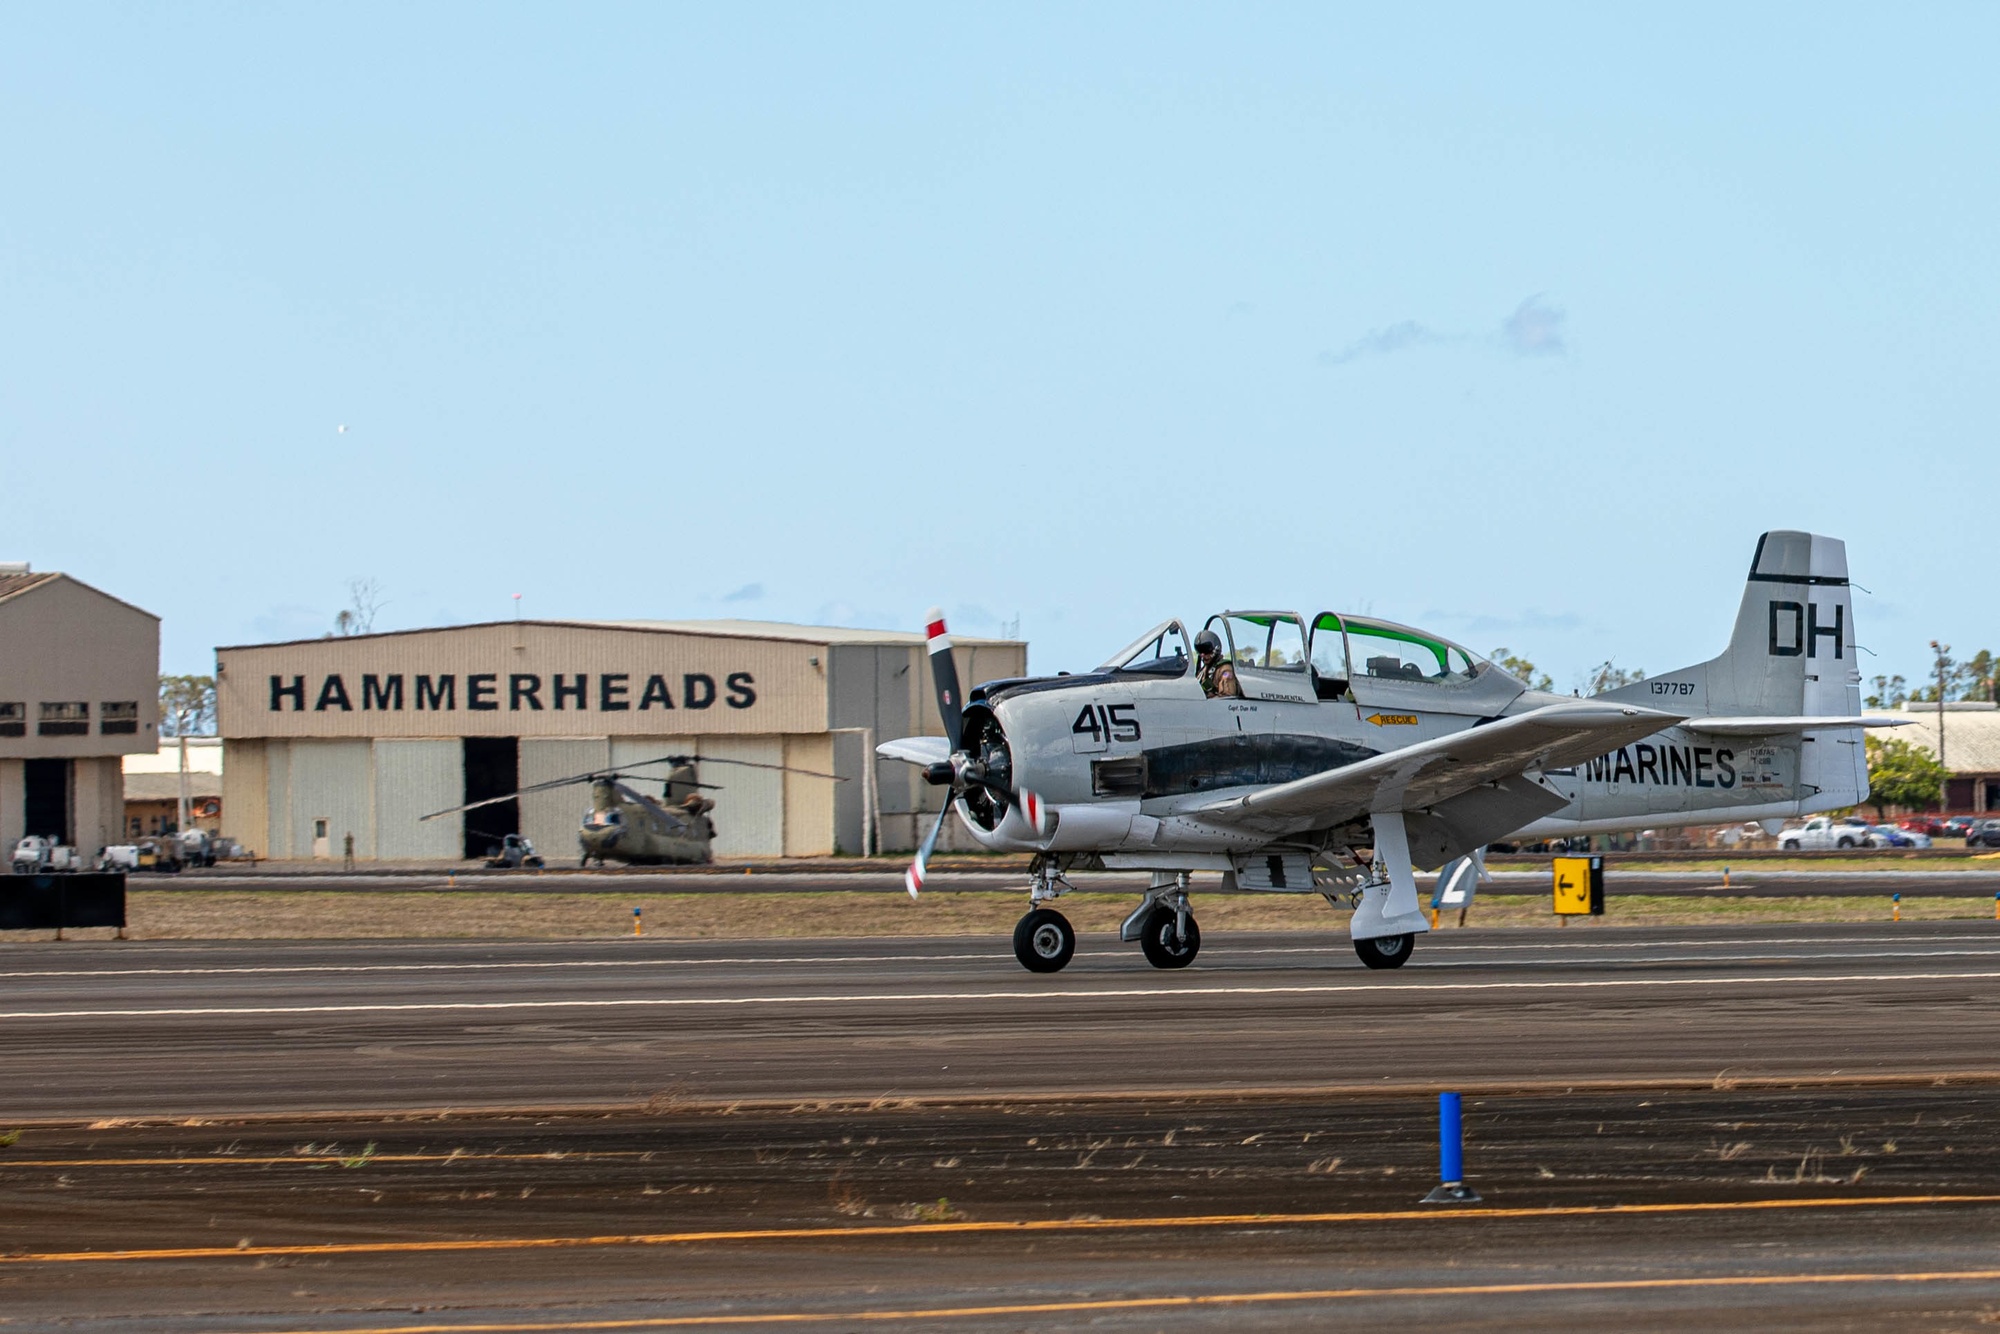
[913, 879]
[944, 672]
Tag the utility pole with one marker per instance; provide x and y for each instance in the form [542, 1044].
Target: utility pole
[1943, 653]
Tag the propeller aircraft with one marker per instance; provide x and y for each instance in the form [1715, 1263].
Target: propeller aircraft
[625, 825]
[1352, 751]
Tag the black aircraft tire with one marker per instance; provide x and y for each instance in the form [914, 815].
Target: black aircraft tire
[1044, 941]
[1386, 951]
[1161, 943]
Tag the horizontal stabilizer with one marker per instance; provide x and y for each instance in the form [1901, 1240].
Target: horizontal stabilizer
[924, 750]
[1772, 726]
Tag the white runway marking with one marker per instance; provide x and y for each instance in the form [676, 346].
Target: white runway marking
[1379, 987]
[1218, 946]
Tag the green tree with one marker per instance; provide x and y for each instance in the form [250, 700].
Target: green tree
[1889, 692]
[187, 705]
[1521, 669]
[1973, 678]
[1607, 675]
[1901, 773]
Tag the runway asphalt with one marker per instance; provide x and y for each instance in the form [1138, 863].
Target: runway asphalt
[138, 1029]
[1773, 1126]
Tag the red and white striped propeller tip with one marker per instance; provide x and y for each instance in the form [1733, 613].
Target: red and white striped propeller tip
[913, 879]
[935, 635]
[1035, 811]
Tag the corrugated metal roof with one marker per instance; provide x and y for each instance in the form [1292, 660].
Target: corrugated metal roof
[12, 585]
[167, 787]
[1971, 739]
[781, 630]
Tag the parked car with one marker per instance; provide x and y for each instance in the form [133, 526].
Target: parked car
[1888, 836]
[1820, 833]
[1985, 834]
[1924, 824]
[1958, 826]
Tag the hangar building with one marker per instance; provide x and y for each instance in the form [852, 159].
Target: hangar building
[362, 735]
[79, 690]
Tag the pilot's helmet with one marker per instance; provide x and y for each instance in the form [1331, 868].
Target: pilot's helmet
[1207, 642]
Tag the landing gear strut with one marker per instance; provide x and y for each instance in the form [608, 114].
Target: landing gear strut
[1163, 924]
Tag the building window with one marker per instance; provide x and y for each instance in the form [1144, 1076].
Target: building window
[66, 719]
[119, 716]
[13, 718]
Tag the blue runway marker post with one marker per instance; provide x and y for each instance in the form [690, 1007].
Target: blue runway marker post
[1451, 1155]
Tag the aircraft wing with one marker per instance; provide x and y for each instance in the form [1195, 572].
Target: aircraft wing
[1430, 772]
[924, 750]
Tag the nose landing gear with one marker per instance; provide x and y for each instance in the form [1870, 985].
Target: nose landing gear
[1044, 941]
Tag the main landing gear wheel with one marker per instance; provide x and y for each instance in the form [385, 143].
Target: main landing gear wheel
[1386, 951]
[1162, 943]
[1044, 941]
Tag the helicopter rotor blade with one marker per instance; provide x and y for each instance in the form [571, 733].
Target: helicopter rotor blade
[717, 759]
[944, 674]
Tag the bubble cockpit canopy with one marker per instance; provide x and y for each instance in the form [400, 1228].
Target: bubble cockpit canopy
[1335, 647]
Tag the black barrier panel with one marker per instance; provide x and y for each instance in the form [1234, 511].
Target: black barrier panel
[53, 902]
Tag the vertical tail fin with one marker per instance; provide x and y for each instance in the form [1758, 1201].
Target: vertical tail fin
[1791, 655]
[1792, 652]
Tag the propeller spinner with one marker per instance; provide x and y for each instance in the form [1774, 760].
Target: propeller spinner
[962, 772]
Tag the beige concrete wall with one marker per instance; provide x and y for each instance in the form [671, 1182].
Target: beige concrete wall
[13, 815]
[246, 796]
[809, 801]
[278, 800]
[97, 810]
[659, 681]
[65, 641]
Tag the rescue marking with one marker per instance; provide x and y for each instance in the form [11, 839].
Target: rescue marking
[1393, 719]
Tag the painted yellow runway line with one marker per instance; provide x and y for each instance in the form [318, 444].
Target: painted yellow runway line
[1019, 1227]
[1376, 986]
[1187, 1302]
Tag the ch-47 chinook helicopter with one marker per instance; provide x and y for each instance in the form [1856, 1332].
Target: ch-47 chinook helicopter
[625, 825]
[1351, 733]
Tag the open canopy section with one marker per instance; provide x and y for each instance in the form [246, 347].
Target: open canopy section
[1383, 650]
[1163, 650]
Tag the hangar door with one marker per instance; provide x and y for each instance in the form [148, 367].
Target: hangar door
[492, 769]
[412, 779]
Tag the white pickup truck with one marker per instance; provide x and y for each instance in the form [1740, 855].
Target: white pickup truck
[1820, 833]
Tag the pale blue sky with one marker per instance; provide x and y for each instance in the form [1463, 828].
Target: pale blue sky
[1517, 322]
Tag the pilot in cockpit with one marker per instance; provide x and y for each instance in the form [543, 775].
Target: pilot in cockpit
[1216, 674]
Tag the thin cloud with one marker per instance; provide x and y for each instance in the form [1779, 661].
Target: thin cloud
[747, 593]
[1535, 329]
[1382, 342]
